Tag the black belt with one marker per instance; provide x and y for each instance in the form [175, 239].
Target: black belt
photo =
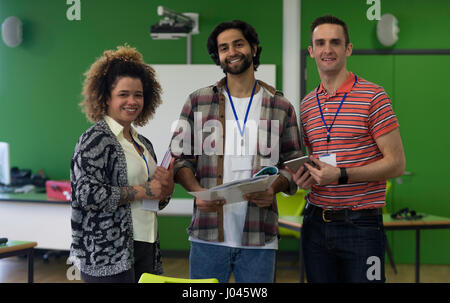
[329, 215]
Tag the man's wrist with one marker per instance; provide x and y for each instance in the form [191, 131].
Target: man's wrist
[343, 176]
[281, 184]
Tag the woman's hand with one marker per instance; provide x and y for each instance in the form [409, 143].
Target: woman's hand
[153, 190]
[165, 178]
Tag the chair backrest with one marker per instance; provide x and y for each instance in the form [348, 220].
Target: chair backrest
[150, 278]
[388, 189]
[291, 205]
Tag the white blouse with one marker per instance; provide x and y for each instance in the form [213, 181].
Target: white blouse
[145, 224]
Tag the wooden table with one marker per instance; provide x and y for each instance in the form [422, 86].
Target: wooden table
[19, 248]
[427, 222]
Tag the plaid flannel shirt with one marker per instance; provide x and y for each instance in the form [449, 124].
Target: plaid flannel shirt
[261, 224]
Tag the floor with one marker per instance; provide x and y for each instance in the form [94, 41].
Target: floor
[55, 269]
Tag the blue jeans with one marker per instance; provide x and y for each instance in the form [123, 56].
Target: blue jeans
[351, 250]
[216, 261]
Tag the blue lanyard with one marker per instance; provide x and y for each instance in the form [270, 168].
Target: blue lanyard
[246, 114]
[339, 108]
[143, 156]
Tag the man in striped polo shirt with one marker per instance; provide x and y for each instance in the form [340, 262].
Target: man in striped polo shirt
[353, 139]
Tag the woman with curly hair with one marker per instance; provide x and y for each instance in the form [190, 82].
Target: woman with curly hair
[113, 169]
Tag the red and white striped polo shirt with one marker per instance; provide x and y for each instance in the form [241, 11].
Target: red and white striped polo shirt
[365, 115]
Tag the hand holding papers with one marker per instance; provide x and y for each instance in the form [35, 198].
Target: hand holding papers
[153, 205]
[233, 191]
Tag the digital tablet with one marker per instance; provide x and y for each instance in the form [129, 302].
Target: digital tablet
[296, 163]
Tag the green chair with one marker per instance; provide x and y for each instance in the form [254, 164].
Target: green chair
[388, 189]
[150, 278]
[291, 206]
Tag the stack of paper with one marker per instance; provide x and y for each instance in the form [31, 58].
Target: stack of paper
[232, 192]
[153, 205]
[166, 160]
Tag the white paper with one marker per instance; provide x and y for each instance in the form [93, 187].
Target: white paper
[330, 159]
[232, 192]
[153, 205]
[166, 159]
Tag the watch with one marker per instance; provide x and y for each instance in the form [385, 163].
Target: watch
[163, 203]
[343, 178]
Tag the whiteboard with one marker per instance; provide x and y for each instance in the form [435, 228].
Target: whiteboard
[178, 81]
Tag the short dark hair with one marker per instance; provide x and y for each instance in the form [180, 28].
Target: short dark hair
[329, 19]
[247, 30]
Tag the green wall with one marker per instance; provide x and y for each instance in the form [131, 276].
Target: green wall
[40, 81]
[423, 24]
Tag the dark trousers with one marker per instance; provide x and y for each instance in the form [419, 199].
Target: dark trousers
[144, 253]
[349, 250]
[143, 263]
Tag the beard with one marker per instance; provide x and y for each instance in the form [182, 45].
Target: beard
[238, 69]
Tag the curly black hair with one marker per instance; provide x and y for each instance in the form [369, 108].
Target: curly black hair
[247, 30]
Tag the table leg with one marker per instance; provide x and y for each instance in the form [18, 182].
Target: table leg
[301, 262]
[417, 255]
[30, 265]
[391, 258]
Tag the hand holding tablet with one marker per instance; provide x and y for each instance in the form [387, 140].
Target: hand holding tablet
[303, 179]
[295, 164]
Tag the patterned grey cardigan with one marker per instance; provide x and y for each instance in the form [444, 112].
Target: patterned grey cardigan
[102, 231]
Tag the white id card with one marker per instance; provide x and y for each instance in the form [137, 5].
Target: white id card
[152, 205]
[330, 159]
[241, 163]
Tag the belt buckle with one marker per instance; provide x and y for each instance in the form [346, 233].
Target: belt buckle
[323, 215]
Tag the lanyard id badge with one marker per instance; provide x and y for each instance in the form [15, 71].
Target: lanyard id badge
[329, 159]
[143, 156]
[328, 128]
[242, 131]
